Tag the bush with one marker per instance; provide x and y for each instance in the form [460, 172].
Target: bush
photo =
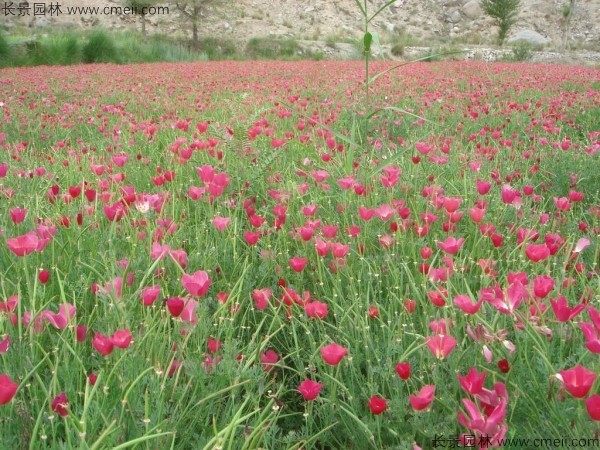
[521, 51]
[4, 49]
[398, 49]
[268, 48]
[99, 48]
[216, 49]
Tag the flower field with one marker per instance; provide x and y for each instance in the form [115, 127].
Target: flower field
[240, 255]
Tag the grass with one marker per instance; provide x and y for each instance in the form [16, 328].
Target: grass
[173, 385]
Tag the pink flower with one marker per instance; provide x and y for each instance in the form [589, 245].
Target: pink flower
[8, 389]
[537, 252]
[592, 405]
[465, 303]
[440, 346]
[578, 380]
[150, 295]
[60, 405]
[196, 284]
[451, 245]
[297, 263]
[23, 245]
[220, 223]
[403, 370]
[261, 298]
[472, 383]
[310, 389]
[269, 359]
[121, 338]
[103, 344]
[377, 404]
[333, 353]
[316, 310]
[423, 399]
[66, 312]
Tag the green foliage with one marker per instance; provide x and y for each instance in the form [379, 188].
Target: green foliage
[504, 12]
[521, 51]
[397, 49]
[4, 48]
[217, 48]
[99, 48]
[269, 48]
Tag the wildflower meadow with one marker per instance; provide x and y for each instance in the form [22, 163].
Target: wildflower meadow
[244, 255]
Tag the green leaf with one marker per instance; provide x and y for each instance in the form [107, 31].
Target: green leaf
[368, 38]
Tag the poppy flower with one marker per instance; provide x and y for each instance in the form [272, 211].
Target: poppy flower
[310, 389]
[121, 338]
[423, 399]
[220, 223]
[403, 370]
[297, 263]
[316, 310]
[261, 298]
[43, 276]
[578, 380]
[8, 389]
[466, 305]
[377, 404]
[537, 252]
[451, 245]
[269, 359]
[504, 365]
[150, 295]
[592, 405]
[196, 284]
[60, 405]
[472, 382]
[103, 344]
[441, 346]
[23, 245]
[333, 353]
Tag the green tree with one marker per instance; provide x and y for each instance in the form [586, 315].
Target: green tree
[141, 8]
[192, 11]
[504, 13]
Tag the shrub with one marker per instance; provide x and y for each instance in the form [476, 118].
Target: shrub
[521, 51]
[268, 48]
[398, 49]
[99, 48]
[4, 49]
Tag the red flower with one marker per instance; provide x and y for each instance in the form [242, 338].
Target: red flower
[316, 310]
[23, 245]
[466, 305]
[196, 284]
[403, 370]
[297, 263]
[103, 344]
[60, 405]
[472, 383]
[150, 294]
[592, 404]
[175, 306]
[43, 276]
[440, 346]
[423, 399]
[504, 365]
[8, 389]
[377, 404]
[451, 245]
[261, 298]
[333, 353]
[310, 389]
[537, 252]
[269, 359]
[578, 380]
[121, 338]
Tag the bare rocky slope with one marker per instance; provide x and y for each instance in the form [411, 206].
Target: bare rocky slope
[419, 22]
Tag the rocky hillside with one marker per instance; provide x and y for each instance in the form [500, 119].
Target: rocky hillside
[417, 21]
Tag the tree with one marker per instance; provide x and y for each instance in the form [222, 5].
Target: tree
[140, 7]
[192, 10]
[504, 13]
[567, 13]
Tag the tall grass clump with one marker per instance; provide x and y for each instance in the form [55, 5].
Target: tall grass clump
[99, 48]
